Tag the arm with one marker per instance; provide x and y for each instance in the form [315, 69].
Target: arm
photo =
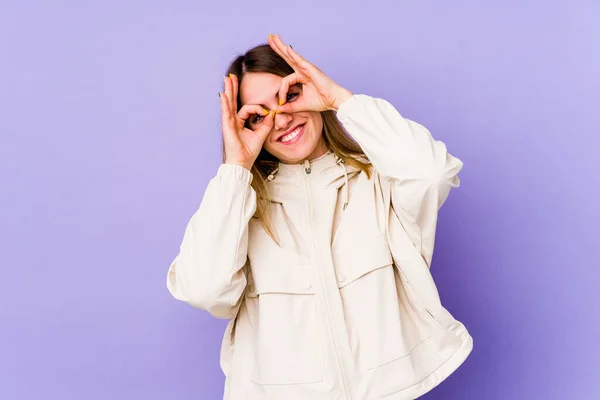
[207, 273]
[420, 168]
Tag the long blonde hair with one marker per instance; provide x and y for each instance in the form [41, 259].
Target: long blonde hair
[263, 58]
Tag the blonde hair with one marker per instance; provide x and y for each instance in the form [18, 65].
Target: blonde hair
[263, 58]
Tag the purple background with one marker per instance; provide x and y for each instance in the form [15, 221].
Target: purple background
[109, 133]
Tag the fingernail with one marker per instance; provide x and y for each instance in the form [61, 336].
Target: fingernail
[271, 35]
[266, 111]
[230, 76]
[219, 93]
[280, 102]
[291, 47]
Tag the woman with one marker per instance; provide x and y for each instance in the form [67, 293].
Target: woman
[315, 239]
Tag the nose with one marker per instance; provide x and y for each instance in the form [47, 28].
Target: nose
[282, 121]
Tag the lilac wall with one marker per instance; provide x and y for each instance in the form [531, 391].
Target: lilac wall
[109, 134]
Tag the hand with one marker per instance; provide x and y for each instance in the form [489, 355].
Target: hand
[242, 145]
[319, 92]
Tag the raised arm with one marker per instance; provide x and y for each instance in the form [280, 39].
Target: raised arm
[208, 271]
[421, 168]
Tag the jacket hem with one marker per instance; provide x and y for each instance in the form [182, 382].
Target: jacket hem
[437, 376]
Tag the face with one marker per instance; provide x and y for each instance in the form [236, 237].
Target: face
[295, 137]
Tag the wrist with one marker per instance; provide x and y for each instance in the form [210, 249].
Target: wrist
[235, 172]
[340, 96]
[241, 164]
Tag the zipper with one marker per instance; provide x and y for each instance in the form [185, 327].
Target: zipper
[307, 170]
[307, 167]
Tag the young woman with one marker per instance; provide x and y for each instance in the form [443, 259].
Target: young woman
[315, 239]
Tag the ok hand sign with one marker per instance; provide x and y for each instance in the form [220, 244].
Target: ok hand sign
[319, 92]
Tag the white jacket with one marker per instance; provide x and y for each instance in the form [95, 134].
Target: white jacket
[346, 308]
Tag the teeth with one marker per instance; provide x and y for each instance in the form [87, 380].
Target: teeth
[292, 135]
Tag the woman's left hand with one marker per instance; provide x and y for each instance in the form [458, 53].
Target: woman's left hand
[319, 92]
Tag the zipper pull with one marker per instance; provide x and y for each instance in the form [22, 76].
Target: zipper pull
[307, 167]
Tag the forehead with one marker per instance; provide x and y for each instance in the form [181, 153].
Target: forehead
[259, 88]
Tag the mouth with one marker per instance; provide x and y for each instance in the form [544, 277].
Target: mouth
[292, 136]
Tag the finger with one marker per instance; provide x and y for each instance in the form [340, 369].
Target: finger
[229, 135]
[286, 82]
[291, 57]
[266, 127]
[225, 108]
[235, 84]
[301, 64]
[297, 62]
[251, 109]
[279, 47]
[229, 93]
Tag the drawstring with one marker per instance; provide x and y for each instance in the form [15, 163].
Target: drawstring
[340, 162]
[271, 175]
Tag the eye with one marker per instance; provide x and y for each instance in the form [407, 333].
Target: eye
[256, 119]
[291, 97]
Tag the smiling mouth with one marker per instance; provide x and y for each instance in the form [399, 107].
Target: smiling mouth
[293, 136]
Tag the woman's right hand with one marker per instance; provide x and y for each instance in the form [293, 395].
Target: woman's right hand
[242, 145]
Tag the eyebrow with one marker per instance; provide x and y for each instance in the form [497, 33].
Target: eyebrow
[276, 95]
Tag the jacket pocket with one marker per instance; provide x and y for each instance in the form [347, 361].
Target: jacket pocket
[415, 300]
[286, 345]
[377, 330]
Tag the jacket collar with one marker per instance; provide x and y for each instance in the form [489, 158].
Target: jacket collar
[328, 172]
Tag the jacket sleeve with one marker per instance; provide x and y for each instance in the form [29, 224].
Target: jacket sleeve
[208, 273]
[421, 170]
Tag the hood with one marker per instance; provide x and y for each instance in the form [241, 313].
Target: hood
[286, 184]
